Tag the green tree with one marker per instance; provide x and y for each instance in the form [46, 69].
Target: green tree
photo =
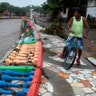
[4, 6]
[56, 5]
[18, 10]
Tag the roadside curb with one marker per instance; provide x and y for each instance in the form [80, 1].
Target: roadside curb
[92, 60]
[5, 56]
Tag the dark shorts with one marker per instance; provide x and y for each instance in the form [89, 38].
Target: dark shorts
[79, 42]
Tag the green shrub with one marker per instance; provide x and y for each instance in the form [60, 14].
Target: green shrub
[55, 29]
[91, 21]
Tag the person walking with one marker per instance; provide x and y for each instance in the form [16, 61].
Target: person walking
[75, 27]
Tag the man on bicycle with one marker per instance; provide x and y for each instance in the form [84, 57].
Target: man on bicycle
[75, 27]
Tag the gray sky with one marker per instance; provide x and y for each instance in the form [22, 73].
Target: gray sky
[23, 3]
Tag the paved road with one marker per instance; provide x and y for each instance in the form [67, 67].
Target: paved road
[9, 34]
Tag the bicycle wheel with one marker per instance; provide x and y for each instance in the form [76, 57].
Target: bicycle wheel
[69, 58]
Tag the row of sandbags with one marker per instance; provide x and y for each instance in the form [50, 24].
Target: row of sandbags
[23, 54]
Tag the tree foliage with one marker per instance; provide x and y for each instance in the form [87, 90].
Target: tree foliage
[21, 11]
[54, 7]
[4, 6]
[57, 5]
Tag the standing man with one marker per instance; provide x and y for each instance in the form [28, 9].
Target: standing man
[76, 26]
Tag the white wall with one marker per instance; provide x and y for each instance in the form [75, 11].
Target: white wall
[91, 11]
[91, 2]
[91, 8]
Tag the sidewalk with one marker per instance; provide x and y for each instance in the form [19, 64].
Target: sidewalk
[90, 43]
[78, 81]
[90, 59]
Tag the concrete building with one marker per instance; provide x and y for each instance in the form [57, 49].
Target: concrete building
[91, 8]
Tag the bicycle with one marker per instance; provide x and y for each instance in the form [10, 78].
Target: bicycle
[70, 54]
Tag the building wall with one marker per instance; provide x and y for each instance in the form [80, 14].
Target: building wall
[91, 8]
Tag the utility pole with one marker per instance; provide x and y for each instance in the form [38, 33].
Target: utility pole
[31, 12]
